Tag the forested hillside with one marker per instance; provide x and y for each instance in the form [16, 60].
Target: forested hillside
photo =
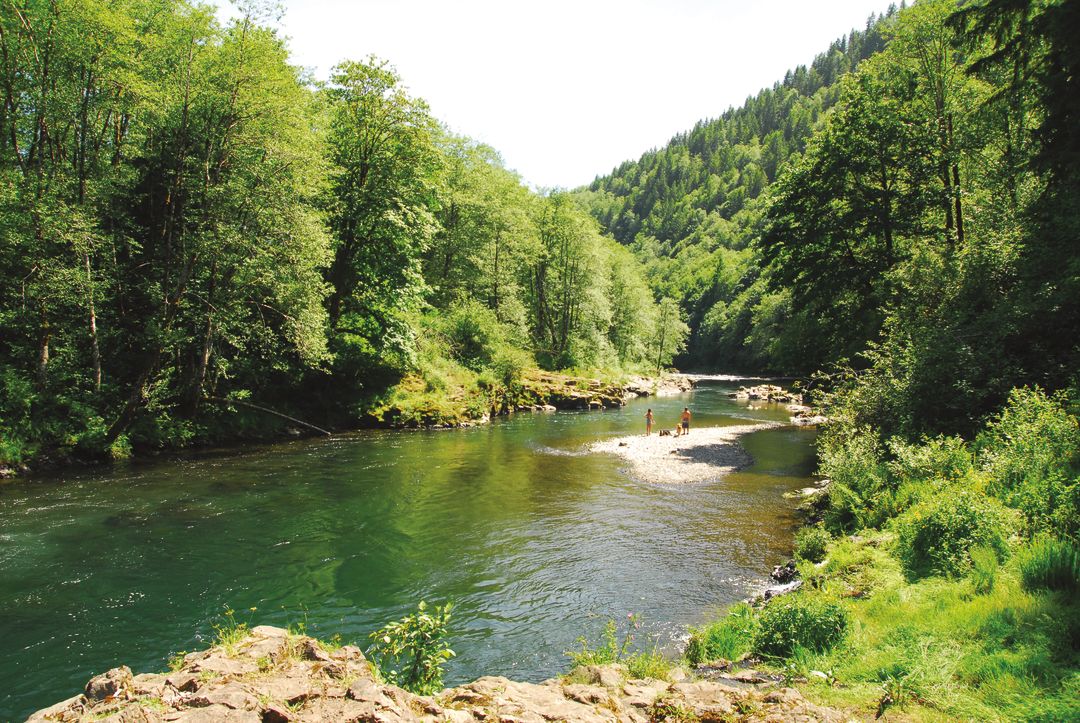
[918, 244]
[691, 209]
[193, 231]
[900, 205]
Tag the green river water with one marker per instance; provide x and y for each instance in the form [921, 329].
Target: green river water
[535, 542]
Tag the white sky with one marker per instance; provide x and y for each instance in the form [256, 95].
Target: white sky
[566, 90]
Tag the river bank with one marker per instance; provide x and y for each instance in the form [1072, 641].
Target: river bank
[413, 403]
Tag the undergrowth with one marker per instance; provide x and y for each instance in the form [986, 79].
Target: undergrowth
[955, 567]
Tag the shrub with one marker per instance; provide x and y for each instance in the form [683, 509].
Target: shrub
[937, 536]
[411, 652]
[984, 567]
[798, 622]
[852, 460]
[811, 543]
[508, 364]
[727, 638]
[1031, 452]
[1051, 564]
[941, 458]
[472, 331]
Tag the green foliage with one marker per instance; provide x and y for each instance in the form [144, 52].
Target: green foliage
[811, 543]
[938, 535]
[474, 334]
[984, 569]
[938, 650]
[228, 631]
[1048, 563]
[790, 623]
[412, 651]
[859, 479]
[941, 459]
[1031, 452]
[728, 638]
[648, 663]
[194, 223]
[690, 210]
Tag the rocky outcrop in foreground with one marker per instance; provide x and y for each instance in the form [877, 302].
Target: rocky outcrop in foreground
[275, 677]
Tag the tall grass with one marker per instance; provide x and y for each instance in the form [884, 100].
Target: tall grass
[613, 649]
[728, 638]
[1051, 564]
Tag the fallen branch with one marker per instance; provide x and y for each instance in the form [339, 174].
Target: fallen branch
[269, 411]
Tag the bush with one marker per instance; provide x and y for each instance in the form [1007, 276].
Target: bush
[852, 460]
[1031, 453]
[727, 638]
[1051, 564]
[937, 536]
[798, 622]
[811, 543]
[933, 460]
[412, 651]
[509, 364]
[474, 334]
[984, 568]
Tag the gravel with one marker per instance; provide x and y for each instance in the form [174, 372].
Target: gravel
[704, 454]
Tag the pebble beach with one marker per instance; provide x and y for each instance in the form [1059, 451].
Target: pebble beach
[704, 454]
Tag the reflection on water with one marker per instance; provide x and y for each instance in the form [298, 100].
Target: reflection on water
[535, 542]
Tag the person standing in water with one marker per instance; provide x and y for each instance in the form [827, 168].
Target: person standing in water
[648, 422]
[686, 420]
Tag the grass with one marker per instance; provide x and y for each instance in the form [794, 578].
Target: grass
[1051, 564]
[230, 632]
[728, 638]
[941, 648]
[641, 663]
[177, 661]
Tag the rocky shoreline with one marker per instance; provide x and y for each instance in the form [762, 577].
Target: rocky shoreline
[553, 391]
[802, 414]
[272, 676]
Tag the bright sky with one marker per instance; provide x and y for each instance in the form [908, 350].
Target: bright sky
[566, 90]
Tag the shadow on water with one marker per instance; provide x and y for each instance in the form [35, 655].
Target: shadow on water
[536, 542]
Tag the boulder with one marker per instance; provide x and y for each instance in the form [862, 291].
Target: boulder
[785, 573]
[109, 685]
[73, 707]
[213, 714]
[311, 650]
[230, 695]
[274, 713]
[185, 681]
[608, 676]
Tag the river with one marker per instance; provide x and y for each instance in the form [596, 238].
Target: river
[535, 542]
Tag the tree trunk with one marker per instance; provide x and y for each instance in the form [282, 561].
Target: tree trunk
[43, 346]
[956, 191]
[95, 353]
